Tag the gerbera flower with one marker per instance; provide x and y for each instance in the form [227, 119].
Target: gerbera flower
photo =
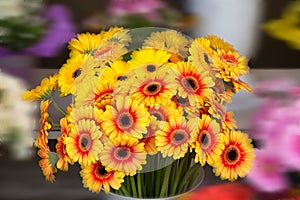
[174, 138]
[117, 34]
[207, 142]
[45, 126]
[95, 177]
[236, 160]
[47, 162]
[84, 112]
[83, 144]
[239, 84]
[84, 43]
[108, 51]
[44, 91]
[155, 88]
[230, 65]
[170, 41]
[148, 56]
[200, 55]
[193, 83]
[125, 117]
[229, 121]
[64, 159]
[68, 73]
[126, 154]
[116, 71]
[218, 43]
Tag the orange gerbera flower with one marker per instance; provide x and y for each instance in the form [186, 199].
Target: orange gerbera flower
[236, 159]
[95, 177]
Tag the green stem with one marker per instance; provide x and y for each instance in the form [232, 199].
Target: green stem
[192, 171]
[165, 184]
[58, 108]
[125, 192]
[139, 185]
[158, 182]
[179, 175]
[133, 186]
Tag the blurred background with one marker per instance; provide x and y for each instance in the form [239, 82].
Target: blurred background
[33, 44]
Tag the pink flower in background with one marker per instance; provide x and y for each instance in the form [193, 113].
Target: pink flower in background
[125, 7]
[268, 173]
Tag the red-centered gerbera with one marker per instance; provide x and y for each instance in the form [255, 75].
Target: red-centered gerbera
[154, 88]
[236, 160]
[64, 159]
[47, 162]
[230, 65]
[125, 117]
[191, 82]
[126, 154]
[83, 144]
[206, 142]
[174, 138]
[95, 177]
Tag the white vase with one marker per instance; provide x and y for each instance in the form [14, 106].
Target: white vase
[236, 21]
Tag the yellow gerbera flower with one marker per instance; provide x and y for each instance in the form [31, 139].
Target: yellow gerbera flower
[44, 91]
[236, 160]
[174, 138]
[148, 56]
[200, 55]
[229, 121]
[126, 117]
[170, 40]
[84, 43]
[117, 34]
[68, 73]
[231, 65]
[206, 142]
[126, 154]
[116, 71]
[95, 177]
[83, 144]
[218, 43]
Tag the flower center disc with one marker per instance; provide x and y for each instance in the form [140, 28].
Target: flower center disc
[179, 137]
[204, 139]
[76, 73]
[101, 172]
[85, 142]
[190, 83]
[125, 121]
[152, 88]
[122, 153]
[232, 155]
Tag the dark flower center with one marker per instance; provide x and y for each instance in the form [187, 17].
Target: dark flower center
[85, 141]
[204, 139]
[206, 59]
[158, 116]
[232, 155]
[152, 88]
[102, 171]
[178, 137]
[121, 78]
[122, 153]
[151, 68]
[190, 83]
[125, 120]
[76, 73]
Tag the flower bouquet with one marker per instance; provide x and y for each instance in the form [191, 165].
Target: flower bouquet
[147, 112]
